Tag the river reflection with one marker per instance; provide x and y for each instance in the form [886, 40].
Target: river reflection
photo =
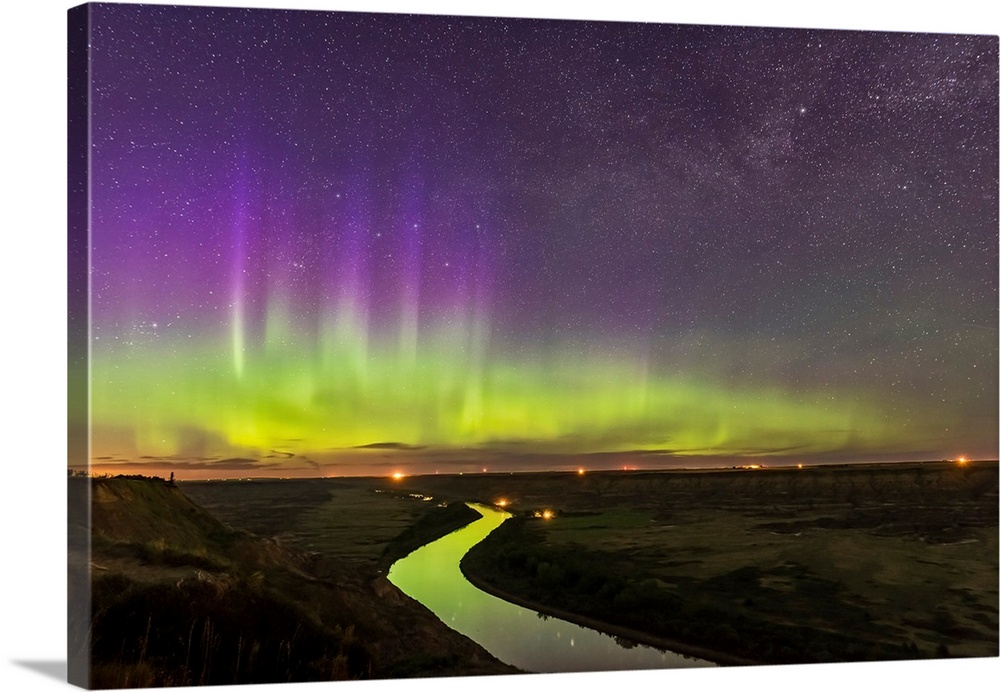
[513, 634]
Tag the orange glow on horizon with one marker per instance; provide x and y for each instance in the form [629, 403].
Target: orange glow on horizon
[398, 476]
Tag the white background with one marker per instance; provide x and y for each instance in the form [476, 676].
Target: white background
[32, 336]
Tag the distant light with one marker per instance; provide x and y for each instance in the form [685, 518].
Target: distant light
[962, 460]
[502, 503]
[398, 476]
[579, 472]
[800, 465]
[547, 514]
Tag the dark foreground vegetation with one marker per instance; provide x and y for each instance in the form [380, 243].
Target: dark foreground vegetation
[179, 598]
[207, 631]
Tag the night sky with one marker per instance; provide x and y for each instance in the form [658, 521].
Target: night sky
[329, 243]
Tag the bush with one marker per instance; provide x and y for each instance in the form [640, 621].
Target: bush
[212, 633]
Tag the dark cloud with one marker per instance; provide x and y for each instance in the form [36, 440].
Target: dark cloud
[397, 446]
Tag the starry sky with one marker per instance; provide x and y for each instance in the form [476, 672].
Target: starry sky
[328, 243]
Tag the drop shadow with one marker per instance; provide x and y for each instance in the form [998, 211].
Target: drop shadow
[50, 669]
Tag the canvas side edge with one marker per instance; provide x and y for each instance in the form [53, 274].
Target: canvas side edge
[78, 345]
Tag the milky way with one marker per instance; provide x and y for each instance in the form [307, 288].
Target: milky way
[348, 242]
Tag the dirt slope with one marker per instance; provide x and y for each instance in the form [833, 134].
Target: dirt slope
[181, 599]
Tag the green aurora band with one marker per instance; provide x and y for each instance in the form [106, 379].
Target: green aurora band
[319, 390]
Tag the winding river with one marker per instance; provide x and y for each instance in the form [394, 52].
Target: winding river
[518, 636]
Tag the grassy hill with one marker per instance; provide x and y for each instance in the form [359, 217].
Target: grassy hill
[179, 598]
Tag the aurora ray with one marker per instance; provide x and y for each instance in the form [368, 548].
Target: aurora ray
[528, 242]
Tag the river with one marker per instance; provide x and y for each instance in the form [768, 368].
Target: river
[518, 636]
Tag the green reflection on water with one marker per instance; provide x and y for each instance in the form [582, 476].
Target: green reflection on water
[515, 635]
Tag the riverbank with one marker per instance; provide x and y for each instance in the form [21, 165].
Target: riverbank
[514, 634]
[714, 656]
[773, 567]
[163, 593]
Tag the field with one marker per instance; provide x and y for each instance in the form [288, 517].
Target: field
[835, 563]
[367, 523]
[773, 565]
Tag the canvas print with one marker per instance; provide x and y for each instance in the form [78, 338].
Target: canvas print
[408, 346]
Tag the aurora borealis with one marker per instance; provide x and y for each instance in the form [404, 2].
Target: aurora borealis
[331, 243]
